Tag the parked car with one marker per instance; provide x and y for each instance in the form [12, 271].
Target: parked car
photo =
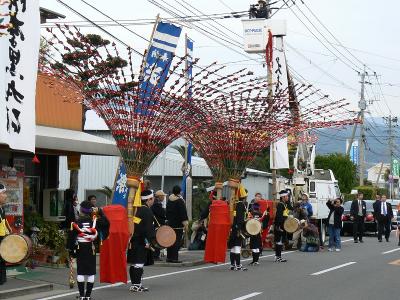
[369, 220]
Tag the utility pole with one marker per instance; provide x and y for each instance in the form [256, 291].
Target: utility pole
[362, 104]
[392, 121]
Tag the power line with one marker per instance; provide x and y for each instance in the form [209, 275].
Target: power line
[356, 69]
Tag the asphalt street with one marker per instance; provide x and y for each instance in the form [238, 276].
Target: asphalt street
[360, 271]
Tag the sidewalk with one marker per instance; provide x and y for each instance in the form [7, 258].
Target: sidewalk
[45, 281]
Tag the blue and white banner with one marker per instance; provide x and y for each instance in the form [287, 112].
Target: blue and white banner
[158, 61]
[120, 192]
[189, 78]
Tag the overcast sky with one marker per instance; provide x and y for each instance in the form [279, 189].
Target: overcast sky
[368, 28]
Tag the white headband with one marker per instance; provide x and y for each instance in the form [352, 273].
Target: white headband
[283, 194]
[147, 197]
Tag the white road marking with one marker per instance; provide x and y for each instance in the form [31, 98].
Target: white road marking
[334, 268]
[248, 296]
[157, 276]
[390, 251]
[345, 241]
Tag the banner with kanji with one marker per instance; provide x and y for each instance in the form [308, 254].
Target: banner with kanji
[158, 61]
[19, 53]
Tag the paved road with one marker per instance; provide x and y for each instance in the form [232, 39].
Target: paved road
[360, 271]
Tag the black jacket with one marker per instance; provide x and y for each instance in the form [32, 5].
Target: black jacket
[354, 208]
[159, 213]
[176, 211]
[338, 212]
[378, 214]
[374, 206]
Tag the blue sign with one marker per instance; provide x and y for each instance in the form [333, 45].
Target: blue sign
[157, 64]
[354, 153]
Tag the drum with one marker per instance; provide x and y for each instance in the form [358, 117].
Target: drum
[253, 226]
[291, 224]
[165, 237]
[15, 248]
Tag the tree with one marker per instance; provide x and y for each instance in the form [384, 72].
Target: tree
[341, 166]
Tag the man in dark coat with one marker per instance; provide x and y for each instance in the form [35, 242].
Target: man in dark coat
[384, 214]
[140, 242]
[358, 210]
[178, 220]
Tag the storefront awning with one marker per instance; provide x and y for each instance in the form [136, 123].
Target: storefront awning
[65, 140]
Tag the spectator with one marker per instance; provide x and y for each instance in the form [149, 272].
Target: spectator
[71, 212]
[178, 220]
[358, 210]
[306, 205]
[311, 238]
[334, 223]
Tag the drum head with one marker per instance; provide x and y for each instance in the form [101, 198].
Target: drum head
[253, 227]
[291, 224]
[14, 248]
[165, 236]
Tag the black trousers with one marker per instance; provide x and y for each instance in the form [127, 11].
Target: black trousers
[172, 252]
[3, 277]
[384, 227]
[358, 227]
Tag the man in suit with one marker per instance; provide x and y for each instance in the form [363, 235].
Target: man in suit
[375, 207]
[358, 210]
[384, 214]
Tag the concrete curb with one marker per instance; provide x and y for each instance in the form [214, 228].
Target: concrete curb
[26, 290]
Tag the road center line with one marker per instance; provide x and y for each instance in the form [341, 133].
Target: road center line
[334, 268]
[390, 251]
[248, 296]
[157, 276]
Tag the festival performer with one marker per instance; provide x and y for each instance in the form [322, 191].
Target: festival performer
[140, 241]
[280, 235]
[159, 215]
[217, 232]
[80, 244]
[236, 236]
[5, 228]
[255, 240]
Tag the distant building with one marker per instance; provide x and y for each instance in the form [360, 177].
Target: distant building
[373, 174]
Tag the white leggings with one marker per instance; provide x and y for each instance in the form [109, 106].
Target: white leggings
[236, 249]
[81, 278]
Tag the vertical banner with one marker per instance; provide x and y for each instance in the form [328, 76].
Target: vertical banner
[279, 155]
[157, 63]
[120, 191]
[189, 77]
[19, 53]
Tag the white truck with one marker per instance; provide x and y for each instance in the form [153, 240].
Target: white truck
[320, 185]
